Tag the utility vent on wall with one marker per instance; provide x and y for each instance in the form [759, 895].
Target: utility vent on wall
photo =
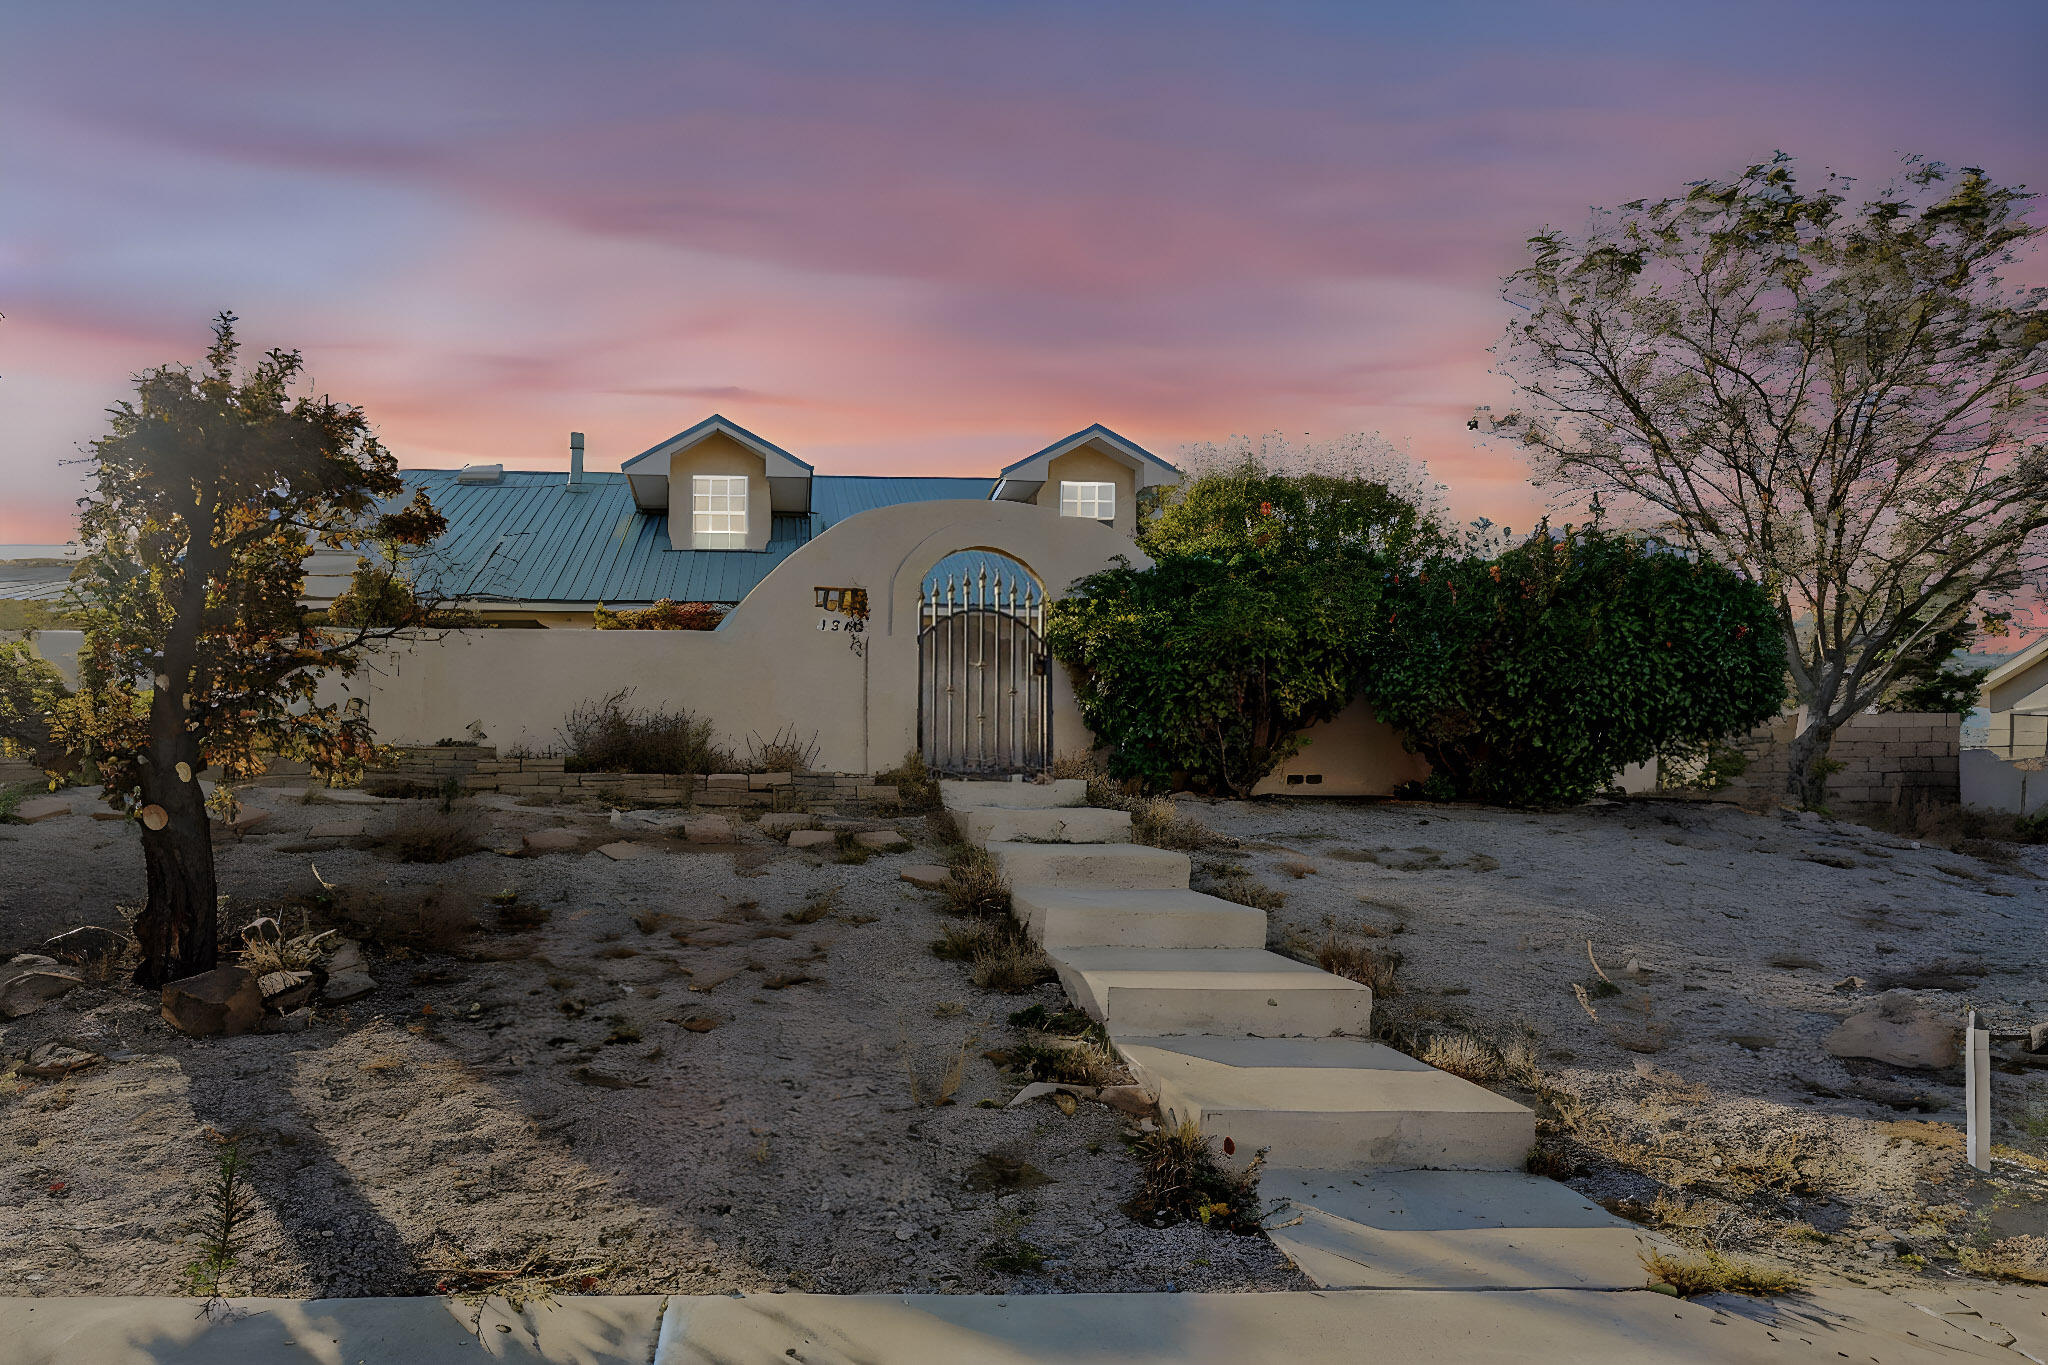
[480, 473]
[1304, 779]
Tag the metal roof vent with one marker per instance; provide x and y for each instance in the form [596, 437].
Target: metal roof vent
[480, 473]
[576, 484]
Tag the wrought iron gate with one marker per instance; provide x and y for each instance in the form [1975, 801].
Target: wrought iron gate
[984, 679]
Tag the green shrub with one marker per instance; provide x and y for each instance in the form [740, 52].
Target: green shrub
[1534, 677]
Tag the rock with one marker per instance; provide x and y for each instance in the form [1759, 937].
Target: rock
[1899, 1031]
[339, 829]
[42, 808]
[1035, 1090]
[219, 1003]
[2037, 1038]
[51, 1060]
[929, 876]
[341, 955]
[285, 991]
[882, 840]
[812, 838]
[295, 1021]
[621, 850]
[785, 822]
[1849, 985]
[1130, 1099]
[552, 840]
[709, 829]
[85, 943]
[342, 987]
[650, 821]
[30, 979]
[249, 821]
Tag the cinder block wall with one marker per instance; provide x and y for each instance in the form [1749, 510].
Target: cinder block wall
[1895, 758]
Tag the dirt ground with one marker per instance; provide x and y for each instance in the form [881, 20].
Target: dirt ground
[531, 1100]
[1700, 1098]
[550, 1100]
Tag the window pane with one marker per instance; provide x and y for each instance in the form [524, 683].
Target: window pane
[1094, 500]
[718, 504]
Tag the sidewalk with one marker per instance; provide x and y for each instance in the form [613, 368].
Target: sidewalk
[1484, 1326]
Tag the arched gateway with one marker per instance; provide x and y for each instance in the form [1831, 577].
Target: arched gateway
[984, 678]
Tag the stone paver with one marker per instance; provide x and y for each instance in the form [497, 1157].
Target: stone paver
[882, 840]
[1059, 825]
[621, 850]
[1450, 1230]
[552, 840]
[1230, 991]
[812, 838]
[1068, 791]
[1136, 867]
[39, 808]
[1060, 917]
[1332, 1103]
[928, 876]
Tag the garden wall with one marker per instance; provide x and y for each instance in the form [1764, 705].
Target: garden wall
[478, 768]
[777, 660]
[1888, 758]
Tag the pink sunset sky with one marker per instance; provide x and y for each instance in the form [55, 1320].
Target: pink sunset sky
[894, 239]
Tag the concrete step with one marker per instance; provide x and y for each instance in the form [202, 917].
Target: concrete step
[1127, 867]
[1062, 917]
[1057, 825]
[1150, 992]
[1451, 1230]
[1067, 791]
[1331, 1103]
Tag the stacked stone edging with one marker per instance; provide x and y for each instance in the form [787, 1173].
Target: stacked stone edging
[479, 768]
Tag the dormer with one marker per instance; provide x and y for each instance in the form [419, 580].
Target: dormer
[719, 484]
[1095, 474]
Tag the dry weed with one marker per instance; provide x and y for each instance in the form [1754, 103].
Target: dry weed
[426, 835]
[1710, 1272]
[1356, 962]
[2012, 1258]
[1180, 1179]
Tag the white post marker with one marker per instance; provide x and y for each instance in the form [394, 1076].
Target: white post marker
[1977, 1092]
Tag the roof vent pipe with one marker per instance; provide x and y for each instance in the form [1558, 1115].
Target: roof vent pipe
[576, 461]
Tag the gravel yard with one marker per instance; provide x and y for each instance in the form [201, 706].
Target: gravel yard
[697, 1073]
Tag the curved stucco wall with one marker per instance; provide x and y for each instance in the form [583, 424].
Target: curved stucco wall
[768, 665]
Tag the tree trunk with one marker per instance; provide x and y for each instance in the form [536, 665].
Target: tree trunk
[1806, 771]
[178, 929]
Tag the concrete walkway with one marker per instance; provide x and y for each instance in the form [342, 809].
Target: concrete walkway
[1417, 1327]
[1391, 1174]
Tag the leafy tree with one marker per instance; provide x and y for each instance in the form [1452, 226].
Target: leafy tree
[30, 693]
[663, 615]
[1844, 400]
[1534, 677]
[210, 491]
[1202, 672]
[1250, 508]
[1253, 621]
[1930, 678]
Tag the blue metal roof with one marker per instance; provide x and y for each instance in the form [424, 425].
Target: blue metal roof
[527, 538]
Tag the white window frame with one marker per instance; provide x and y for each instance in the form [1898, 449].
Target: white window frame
[1095, 501]
[718, 510]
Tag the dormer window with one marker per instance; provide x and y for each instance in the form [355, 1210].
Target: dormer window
[1096, 501]
[718, 510]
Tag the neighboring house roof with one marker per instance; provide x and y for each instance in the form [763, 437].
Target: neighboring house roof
[527, 538]
[1021, 481]
[2016, 664]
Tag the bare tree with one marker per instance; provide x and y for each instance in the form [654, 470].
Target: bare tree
[1842, 399]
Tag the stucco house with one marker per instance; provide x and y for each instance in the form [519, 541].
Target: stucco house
[2015, 696]
[703, 516]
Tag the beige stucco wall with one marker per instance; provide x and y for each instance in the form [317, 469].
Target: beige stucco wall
[1355, 754]
[1089, 465]
[717, 454]
[768, 665]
